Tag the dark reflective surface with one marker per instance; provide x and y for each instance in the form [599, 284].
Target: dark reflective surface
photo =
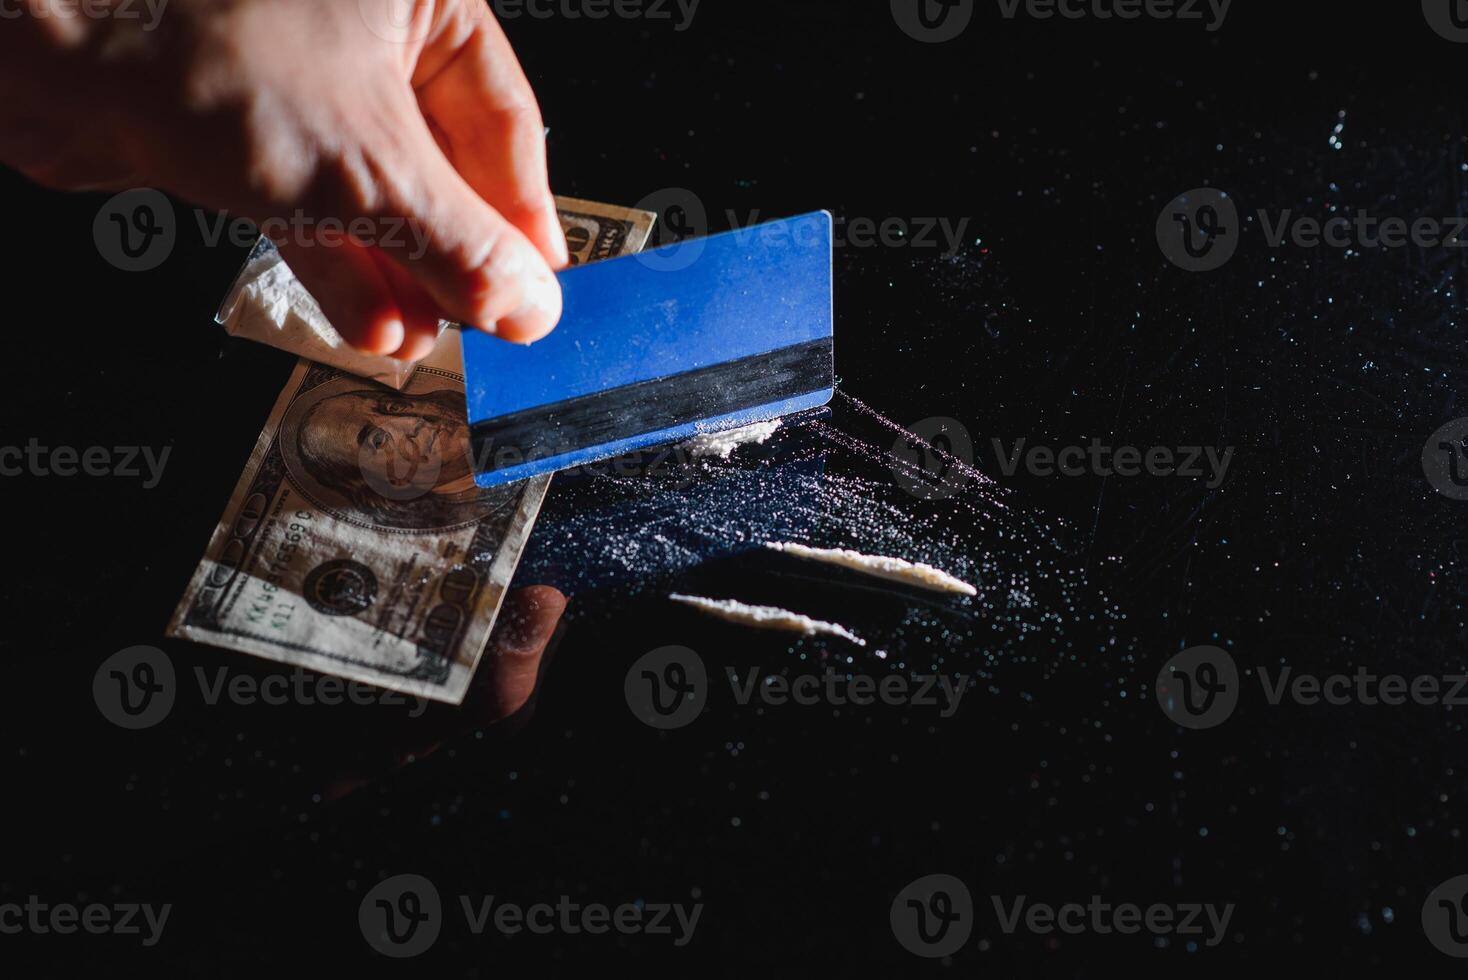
[1058, 320]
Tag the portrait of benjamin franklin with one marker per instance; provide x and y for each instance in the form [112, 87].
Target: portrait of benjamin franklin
[385, 458]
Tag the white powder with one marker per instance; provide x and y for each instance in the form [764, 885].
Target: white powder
[766, 617]
[892, 569]
[721, 444]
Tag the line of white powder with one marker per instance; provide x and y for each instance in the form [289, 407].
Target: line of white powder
[893, 569]
[766, 617]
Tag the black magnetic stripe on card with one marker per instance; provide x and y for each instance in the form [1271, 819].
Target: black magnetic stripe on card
[650, 406]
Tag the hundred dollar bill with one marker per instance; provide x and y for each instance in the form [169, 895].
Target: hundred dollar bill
[602, 231]
[356, 542]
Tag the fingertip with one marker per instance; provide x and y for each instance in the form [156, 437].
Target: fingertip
[420, 316]
[524, 330]
[539, 312]
[415, 347]
[382, 335]
[543, 599]
[531, 616]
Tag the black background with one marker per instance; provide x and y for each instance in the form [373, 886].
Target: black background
[1059, 320]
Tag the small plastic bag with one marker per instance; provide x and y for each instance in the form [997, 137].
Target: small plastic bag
[266, 302]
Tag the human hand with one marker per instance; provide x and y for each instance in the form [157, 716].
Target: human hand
[376, 114]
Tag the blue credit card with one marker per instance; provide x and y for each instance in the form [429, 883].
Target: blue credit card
[698, 336]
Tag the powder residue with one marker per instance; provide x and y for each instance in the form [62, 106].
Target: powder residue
[893, 569]
[721, 444]
[766, 617]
